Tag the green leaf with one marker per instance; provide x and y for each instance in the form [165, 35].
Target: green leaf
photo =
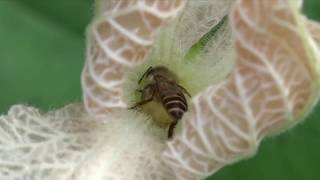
[42, 51]
[311, 9]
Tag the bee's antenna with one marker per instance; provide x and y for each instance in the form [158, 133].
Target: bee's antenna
[144, 74]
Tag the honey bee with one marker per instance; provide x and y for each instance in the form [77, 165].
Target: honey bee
[163, 88]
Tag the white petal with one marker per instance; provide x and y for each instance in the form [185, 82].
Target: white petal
[314, 28]
[69, 144]
[36, 146]
[272, 87]
[118, 39]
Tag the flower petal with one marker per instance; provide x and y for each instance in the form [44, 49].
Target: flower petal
[119, 39]
[314, 29]
[69, 144]
[197, 19]
[35, 146]
[272, 87]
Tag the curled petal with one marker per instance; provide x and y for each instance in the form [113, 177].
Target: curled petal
[118, 39]
[314, 29]
[272, 87]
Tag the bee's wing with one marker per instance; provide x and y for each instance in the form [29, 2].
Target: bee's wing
[118, 39]
[272, 87]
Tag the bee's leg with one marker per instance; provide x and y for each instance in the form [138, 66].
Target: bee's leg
[171, 128]
[139, 90]
[144, 74]
[146, 100]
[144, 89]
[143, 102]
[184, 90]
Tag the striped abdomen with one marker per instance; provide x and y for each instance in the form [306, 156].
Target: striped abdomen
[175, 103]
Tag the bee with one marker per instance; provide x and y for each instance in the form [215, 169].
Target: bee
[162, 87]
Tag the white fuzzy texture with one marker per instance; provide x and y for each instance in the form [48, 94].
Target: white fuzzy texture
[67, 144]
[35, 146]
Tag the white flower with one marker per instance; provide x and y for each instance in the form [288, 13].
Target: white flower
[260, 82]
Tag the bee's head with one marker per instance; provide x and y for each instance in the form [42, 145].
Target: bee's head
[160, 72]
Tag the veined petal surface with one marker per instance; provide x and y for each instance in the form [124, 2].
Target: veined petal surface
[117, 40]
[37, 146]
[272, 87]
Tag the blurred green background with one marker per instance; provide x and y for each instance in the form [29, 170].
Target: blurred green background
[42, 47]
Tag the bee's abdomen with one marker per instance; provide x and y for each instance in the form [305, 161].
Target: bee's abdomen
[175, 104]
